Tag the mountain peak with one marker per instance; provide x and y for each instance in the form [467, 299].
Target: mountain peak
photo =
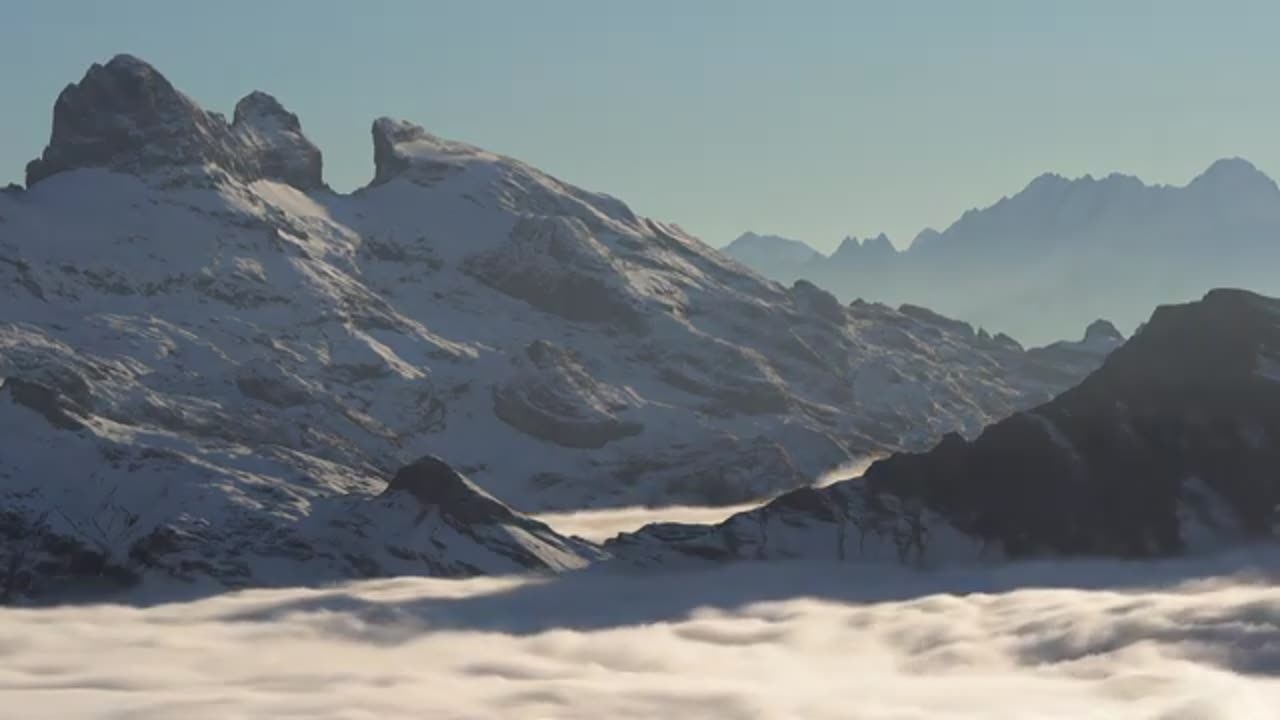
[1233, 175]
[258, 106]
[1102, 330]
[875, 248]
[124, 63]
[127, 117]
[123, 115]
[1231, 166]
[434, 483]
[879, 243]
[764, 251]
[275, 135]
[1046, 182]
[850, 244]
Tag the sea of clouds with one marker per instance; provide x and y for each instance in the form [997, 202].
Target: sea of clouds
[1179, 640]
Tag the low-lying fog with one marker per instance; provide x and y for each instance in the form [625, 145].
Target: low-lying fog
[1185, 640]
[602, 524]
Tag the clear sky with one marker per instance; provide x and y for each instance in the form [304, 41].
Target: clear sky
[808, 119]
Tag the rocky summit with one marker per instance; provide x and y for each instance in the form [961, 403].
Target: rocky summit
[126, 116]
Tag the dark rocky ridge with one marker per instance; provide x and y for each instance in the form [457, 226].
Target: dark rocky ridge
[283, 152]
[1102, 329]
[1176, 437]
[1106, 466]
[126, 116]
[494, 529]
[387, 134]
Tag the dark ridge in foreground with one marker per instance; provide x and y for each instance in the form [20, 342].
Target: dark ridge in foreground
[1172, 445]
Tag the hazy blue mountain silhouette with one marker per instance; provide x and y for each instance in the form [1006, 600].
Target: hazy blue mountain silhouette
[1046, 261]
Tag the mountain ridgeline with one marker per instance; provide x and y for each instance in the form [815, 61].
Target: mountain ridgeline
[1060, 253]
[214, 366]
[1171, 446]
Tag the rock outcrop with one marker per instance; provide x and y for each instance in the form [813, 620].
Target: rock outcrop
[459, 530]
[555, 398]
[126, 116]
[274, 137]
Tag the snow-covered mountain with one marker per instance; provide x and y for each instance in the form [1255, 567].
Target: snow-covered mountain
[1062, 252]
[1172, 445]
[211, 357]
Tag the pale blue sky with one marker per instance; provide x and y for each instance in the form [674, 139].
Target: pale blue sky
[809, 119]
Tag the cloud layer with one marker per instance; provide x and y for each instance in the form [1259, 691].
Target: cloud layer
[1192, 642]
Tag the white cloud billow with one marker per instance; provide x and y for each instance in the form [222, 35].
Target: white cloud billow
[1193, 642]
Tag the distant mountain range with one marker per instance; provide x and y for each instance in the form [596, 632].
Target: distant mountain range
[1060, 253]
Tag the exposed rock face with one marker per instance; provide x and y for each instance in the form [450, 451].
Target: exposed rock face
[495, 534]
[1178, 431]
[390, 137]
[272, 384]
[125, 116]
[557, 399]
[928, 316]
[437, 485]
[49, 403]
[1173, 444]
[818, 301]
[275, 137]
[556, 265]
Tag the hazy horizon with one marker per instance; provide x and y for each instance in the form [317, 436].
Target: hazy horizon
[877, 118]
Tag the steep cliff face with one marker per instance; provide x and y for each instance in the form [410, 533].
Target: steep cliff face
[126, 116]
[273, 137]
